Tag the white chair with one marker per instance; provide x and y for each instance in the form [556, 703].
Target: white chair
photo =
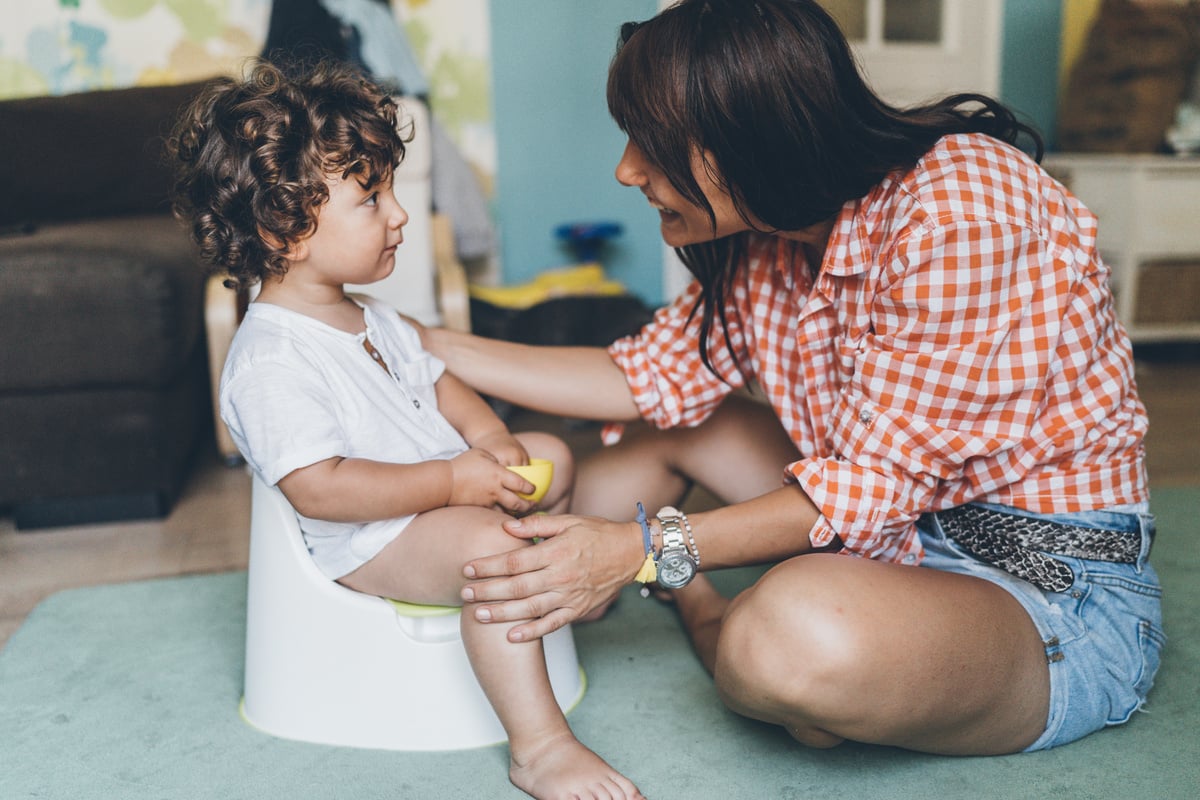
[329, 665]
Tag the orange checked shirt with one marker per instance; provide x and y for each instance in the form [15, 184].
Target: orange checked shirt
[958, 343]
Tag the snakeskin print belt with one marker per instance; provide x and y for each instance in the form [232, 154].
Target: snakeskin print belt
[1025, 546]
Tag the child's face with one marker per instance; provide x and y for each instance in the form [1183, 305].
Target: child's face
[358, 231]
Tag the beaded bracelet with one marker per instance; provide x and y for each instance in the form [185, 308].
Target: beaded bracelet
[687, 527]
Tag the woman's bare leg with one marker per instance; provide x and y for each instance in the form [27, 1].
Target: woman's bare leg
[833, 647]
[737, 454]
[424, 565]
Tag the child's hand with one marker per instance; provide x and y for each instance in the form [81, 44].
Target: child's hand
[479, 479]
[504, 446]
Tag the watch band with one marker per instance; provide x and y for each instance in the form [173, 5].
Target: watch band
[676, 564]
[672, 527]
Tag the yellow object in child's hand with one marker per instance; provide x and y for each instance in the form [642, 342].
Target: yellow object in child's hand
[539, 472]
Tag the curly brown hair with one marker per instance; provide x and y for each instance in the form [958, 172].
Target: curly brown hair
[253, 156]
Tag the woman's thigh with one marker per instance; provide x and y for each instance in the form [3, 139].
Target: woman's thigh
[1103, 636]
[423, 564]
[887, 654]
[738, 453]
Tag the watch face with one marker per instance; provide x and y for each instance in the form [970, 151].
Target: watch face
[676, 570]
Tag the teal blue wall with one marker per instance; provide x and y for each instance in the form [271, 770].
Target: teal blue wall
[557, 146]
[1029, 61]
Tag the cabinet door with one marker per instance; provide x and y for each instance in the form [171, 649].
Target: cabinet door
[915, 50]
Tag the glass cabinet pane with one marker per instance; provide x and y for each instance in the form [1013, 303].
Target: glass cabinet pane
[851, 16]
[912, 21]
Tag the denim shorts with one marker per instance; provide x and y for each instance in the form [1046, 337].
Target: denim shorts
[1103, 636]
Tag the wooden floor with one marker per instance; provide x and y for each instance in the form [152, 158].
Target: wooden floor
[208, 529]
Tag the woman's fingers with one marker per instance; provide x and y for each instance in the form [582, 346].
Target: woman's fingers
[544, 614]
[574, 569]
[514, 562]
[542, 626]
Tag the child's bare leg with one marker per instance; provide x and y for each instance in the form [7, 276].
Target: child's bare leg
[558, 498]
[424, 565]
[547, 761]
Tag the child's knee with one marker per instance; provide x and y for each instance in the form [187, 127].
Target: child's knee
[485, 536]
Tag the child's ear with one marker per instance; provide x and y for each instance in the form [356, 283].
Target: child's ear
[297, 251]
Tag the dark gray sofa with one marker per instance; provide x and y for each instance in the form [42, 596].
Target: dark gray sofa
[103, 371]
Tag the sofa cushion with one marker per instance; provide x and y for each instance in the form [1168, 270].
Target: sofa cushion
[92, 154]
[116, 302]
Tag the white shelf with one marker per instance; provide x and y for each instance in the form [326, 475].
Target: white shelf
[1149, 211]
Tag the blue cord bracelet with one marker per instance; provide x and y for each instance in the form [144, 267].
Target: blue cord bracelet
[649, 569]
[641, 518]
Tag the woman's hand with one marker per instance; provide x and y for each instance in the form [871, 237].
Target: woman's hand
[478, 479]
[581, 564]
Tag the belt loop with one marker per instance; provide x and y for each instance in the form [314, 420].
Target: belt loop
[1148, 529]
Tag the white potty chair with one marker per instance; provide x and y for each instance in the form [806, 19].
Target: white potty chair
[329, 665]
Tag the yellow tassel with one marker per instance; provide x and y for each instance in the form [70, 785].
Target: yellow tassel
[649, 570]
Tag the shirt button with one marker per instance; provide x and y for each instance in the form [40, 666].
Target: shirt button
[910, 559]
[865, 415]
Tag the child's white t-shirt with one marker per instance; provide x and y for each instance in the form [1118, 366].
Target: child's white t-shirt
[296, 391]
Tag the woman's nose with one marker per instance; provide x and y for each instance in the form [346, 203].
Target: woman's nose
[631, 168]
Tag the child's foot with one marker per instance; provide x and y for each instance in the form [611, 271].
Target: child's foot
[564, 768]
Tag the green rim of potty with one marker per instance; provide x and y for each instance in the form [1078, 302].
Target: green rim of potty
[417, 610]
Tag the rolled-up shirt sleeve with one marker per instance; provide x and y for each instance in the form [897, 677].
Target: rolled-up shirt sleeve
[670, 385]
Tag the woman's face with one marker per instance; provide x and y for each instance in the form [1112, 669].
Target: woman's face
[681, 222]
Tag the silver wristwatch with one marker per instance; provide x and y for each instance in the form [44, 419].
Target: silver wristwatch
[676, 565]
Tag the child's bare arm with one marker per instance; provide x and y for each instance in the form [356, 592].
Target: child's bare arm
[361, 490]
[474, 419]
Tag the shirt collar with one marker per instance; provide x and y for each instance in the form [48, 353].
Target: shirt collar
[845, 252]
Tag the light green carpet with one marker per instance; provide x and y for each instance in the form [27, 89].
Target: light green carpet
[131, 691]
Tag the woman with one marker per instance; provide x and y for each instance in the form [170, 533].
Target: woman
[948, 471]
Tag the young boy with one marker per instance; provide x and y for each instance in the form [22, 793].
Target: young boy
[396, 468]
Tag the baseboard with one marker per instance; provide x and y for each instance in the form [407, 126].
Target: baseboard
[61, 512]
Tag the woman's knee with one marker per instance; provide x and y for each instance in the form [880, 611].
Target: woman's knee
[783, 647]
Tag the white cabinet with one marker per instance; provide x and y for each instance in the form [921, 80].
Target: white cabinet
[1149, 212]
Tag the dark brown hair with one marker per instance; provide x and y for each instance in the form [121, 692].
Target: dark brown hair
[253, 157]
[771, 91]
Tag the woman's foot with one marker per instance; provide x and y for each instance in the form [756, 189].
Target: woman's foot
[563, 768]
[701, 609]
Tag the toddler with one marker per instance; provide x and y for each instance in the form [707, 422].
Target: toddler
[396, 468]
